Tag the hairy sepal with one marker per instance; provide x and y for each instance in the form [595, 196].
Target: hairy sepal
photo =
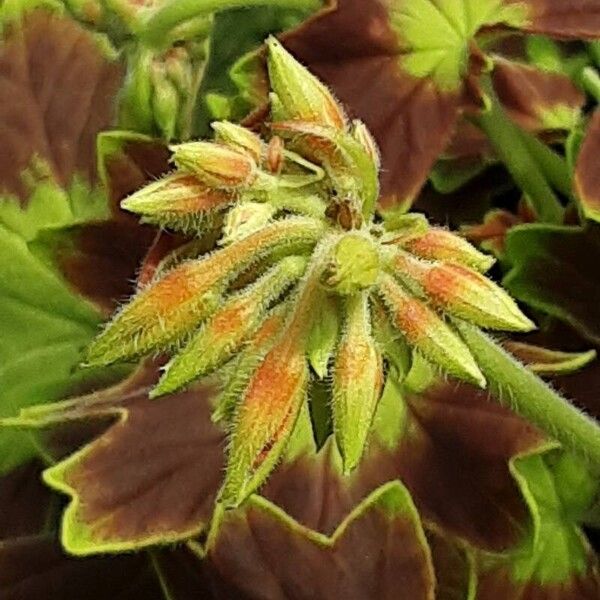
[357, 382]
[178, 201]
[167, 311]
[426, 332]
[229, 327]
[464, 293]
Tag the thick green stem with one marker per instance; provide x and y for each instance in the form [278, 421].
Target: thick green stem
[516, 387]
[178, 11]
[510, 147]
[553, 166]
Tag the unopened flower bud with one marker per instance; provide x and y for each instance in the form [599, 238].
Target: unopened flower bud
[357, 382]
[439, 244]
[362, 135]
[175, 200]
[169, 310]
[465, 293]
[245, 218]
[166, 102]
[272, 400]
[427, 333]
[239, 138]
[229, 327]
[353, 266]
[215, 164]
[301, 95]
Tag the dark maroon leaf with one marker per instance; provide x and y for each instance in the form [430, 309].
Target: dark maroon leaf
[57, 91]
[587, 170]
[24, 502]
[555, 269]
[566, 19]
[35, 568]
[379, 553]
[453, 459]
[535, 99]
[149, 478]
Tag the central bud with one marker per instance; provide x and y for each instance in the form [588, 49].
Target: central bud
[354, 265]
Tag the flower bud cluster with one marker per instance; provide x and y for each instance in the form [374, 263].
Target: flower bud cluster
[304, 282]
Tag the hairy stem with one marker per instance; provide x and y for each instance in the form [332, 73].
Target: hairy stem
[175, 12]
[516, 387]
[507, 139]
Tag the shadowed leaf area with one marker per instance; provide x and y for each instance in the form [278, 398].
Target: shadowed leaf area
[35, 568]
[25, 502]
[555, 269]
[151, 476]
[56, 93]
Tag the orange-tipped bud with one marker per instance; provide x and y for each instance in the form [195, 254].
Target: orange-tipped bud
[265, 419]
[247, 363]
[301, 95]
[239, 138]
[216, 165]
[439, 244]
[228, 328]
[176, 201]
[170, 309]
[465, 294]
[357, 382]
[427, 333]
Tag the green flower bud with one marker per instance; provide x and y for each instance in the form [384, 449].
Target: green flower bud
[301, 95]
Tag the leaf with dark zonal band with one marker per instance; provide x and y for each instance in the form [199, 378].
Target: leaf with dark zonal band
[35, 568]
[587, 170]
[57, 92]
[537, 100]
[554, 560]
[450, 445]
[378, 552]
[352, 47]
[555, 269]
[150, 478]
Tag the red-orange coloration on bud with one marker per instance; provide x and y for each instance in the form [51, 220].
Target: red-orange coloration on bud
[216, 164]
[275, 156]
[439, 244]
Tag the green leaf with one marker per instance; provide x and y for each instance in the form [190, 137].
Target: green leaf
[437, 34]
[44, 327]
[52, 207]
[323, 336]
[558, 489]
[119, 505]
